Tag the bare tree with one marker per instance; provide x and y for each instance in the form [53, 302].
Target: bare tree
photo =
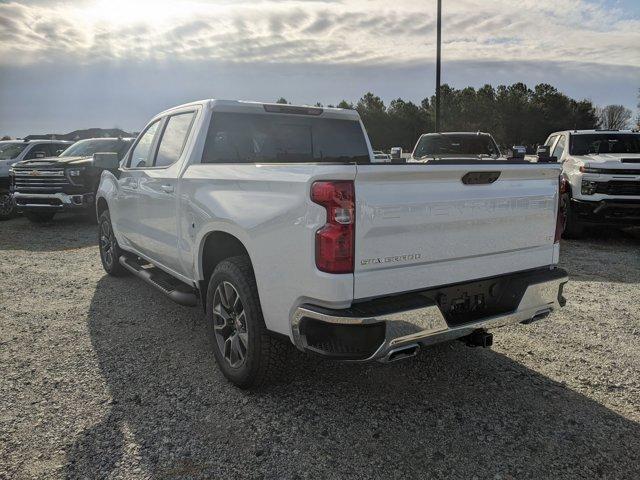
[614, 117]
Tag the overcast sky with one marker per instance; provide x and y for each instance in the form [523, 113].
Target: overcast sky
[95, 63]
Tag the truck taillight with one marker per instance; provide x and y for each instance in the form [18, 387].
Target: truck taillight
[561, 220]
[335, 241]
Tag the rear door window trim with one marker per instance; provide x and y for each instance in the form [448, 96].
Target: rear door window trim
[161, 136]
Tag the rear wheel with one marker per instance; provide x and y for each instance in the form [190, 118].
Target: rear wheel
[246, 353]
[7, 206]
[109, 250]
[572, 227]
[39, 217]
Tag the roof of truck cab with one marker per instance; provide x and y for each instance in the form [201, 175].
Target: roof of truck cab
[591, 132]
[28, 142]
[124, 139]
[458, 133]
[242, 106]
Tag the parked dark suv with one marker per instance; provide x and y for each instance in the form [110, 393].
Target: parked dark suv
[12, 151]
[42, 187]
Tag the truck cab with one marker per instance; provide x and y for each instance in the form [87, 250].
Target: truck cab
[455, 145]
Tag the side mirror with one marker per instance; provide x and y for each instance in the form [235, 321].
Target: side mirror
[106, 160]
[39, 154]
[518, 152]
[396, 153]
[544, 154]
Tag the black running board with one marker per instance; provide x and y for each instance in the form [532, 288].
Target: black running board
[173, 288]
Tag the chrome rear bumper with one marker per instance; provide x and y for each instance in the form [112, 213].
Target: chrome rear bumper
[426, 325]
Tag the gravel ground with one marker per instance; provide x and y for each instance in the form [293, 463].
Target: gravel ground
[105, 377]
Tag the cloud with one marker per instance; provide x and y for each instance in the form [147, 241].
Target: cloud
[130, 59]
[358, 31]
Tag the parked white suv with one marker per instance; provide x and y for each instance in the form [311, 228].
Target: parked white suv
[603, 170]
[277, 220]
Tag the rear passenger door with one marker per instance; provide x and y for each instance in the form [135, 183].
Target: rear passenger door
[157, 192]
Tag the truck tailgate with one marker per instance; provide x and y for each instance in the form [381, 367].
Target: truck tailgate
[420, 225]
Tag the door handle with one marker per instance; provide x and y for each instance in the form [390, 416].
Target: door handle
[167, 188]
[133, 184]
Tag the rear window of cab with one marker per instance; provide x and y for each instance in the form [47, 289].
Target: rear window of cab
[277, 138]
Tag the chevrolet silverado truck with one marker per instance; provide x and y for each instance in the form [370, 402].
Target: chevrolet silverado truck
[42, 187]
[12, 151]
[602, 169]
[277, 220]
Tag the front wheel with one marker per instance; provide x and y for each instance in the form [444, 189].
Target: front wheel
[246, 353]
[39, 217]
[572, 227]
[109, 250]
[7, 206]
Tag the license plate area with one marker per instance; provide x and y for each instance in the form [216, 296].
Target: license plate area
[471, 301]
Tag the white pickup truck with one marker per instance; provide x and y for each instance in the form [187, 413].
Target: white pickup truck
[602, 168]
[276, 219]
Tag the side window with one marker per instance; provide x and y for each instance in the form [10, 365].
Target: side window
[173, 139]
[39, 150]
[58, 148]
[550, 140]
[559, 148]
[141, 155]
[124, 148]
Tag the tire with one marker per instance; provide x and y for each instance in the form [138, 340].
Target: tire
[246, 353]
[39, 217]
[110, 252]
[572, 227]
[7, 206]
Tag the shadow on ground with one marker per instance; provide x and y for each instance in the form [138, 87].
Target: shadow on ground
[454, 412]
[64, 232]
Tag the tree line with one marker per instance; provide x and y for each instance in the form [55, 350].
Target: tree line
[513, 114]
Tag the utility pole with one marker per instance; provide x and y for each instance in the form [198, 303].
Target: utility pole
[438, 54]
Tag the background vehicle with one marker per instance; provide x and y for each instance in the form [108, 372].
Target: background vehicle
[12, 151]
[44, 186]
[602, 169]
[277, 219]
[434, 146]
[396, 153]
[381, 156]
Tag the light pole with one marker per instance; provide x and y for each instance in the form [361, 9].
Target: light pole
[438, 51]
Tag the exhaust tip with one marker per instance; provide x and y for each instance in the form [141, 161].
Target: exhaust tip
[538, 316]
[401, 353]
